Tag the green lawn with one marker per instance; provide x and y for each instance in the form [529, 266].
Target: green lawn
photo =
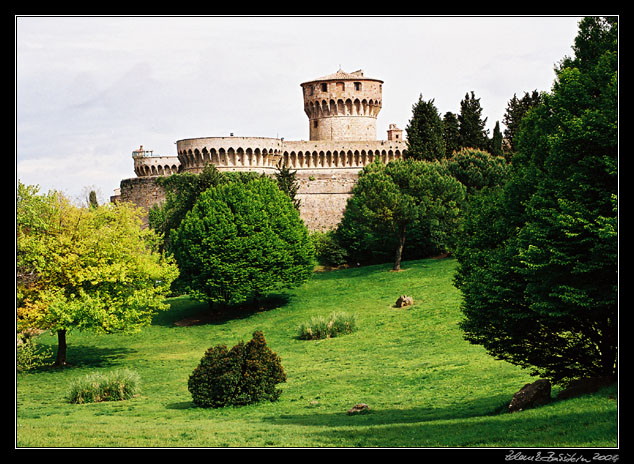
[425, 385]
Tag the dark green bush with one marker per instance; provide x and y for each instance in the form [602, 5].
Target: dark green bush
[245, 374]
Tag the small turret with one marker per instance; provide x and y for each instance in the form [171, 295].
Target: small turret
[394, 133]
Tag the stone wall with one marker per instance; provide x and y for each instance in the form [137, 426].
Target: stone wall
[327, 170]
[323, 195]
[141, 191]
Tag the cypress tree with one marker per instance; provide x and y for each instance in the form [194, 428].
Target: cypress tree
[451, 133]
[425, 132]
[472, 127]
[496, 141]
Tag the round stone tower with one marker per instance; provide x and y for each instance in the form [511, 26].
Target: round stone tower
[342, 106]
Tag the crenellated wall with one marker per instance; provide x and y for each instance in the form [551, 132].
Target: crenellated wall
[342, 110]
[342, 106]
[326, 170]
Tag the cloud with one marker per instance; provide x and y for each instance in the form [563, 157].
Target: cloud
[89, 90]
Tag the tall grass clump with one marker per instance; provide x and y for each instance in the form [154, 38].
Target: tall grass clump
[320, 327]
[112, 386]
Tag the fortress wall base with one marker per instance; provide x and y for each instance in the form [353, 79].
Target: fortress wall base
[322, 193]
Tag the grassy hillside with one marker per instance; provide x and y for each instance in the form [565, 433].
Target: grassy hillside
[425, 385]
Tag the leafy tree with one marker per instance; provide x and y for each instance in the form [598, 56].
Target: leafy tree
[181, 193]
[538, 259]
[425, 132]
[240, 241]
[402, 199]
[86, 268]
[287, 182]
[451, 133]
[473, 132]
[477, 169]
[516, 109]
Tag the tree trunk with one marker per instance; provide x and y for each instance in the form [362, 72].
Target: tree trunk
[399, 250]
[61, 348]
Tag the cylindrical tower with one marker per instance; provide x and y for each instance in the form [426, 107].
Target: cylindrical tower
[342, 106]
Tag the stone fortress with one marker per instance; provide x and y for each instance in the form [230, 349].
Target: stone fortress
[342, 109]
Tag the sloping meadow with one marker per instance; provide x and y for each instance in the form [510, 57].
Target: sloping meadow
[423, 384]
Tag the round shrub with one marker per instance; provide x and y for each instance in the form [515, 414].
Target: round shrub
[245, 374]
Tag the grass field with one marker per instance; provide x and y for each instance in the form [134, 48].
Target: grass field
[425, 385]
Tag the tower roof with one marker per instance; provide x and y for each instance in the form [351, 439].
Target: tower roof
[342, 76]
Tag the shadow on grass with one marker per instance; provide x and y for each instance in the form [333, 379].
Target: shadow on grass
[380, 268]
[181, 405]
[580, 429]
[462, 425]
[484, 407]
[91, 356]
[186, 312]
[361, 271]
[80, 356]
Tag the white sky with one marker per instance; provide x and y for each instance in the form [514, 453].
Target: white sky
[89, 90]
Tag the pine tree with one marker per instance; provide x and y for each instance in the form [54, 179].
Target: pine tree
[242, 241]
[287, 182]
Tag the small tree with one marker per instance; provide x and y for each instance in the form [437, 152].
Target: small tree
[496, 141]
[86, 268]
[92, 199]
[287, 181]
[241, 241]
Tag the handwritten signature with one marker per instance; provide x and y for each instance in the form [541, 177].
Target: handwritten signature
[551, 456]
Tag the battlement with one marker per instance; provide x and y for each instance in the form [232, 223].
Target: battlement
[148, 164]
[342, 106]
[342, 109]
